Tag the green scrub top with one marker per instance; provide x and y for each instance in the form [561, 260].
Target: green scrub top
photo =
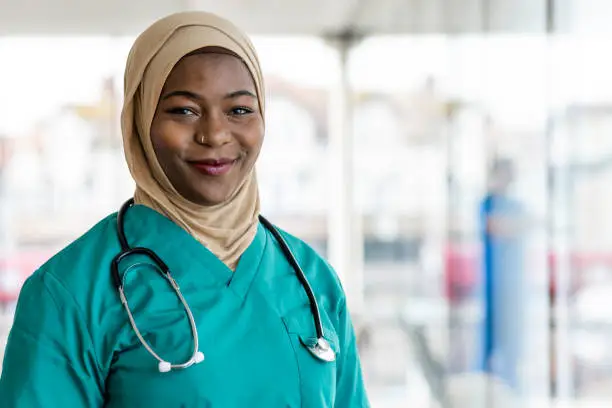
[71, 344]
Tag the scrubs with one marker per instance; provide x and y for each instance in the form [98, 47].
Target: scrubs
[71, 344]
[503, 292]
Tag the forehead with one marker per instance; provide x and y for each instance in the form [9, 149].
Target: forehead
[210, 69]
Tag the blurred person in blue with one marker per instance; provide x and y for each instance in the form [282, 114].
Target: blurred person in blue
[503, 230]
[187, 296]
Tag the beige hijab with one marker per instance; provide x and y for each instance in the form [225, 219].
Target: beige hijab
[226, 229]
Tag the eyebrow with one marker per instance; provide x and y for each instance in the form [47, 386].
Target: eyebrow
[195, 96]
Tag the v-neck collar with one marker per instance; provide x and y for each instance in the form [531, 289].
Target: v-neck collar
[145, 227]
[248, 265]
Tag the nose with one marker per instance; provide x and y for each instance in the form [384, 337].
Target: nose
[213, 131]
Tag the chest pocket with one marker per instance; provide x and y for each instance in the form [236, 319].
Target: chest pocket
[317, 378]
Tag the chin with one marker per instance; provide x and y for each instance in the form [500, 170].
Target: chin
[209, 200]
[206, 193]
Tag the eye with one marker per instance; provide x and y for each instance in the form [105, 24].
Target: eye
[241, 111]
[182, 111]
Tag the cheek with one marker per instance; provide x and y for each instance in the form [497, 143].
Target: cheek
[252, 140]
[169, 138]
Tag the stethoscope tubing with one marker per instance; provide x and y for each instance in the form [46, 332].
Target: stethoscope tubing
[320, 349]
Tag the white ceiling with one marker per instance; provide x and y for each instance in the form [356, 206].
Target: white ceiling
[299, 17]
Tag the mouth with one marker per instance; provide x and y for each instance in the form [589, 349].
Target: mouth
[213, 167]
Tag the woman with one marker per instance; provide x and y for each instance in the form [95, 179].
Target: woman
[193, 126]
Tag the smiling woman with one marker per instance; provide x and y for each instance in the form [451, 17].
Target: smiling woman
[242, 311]
[208, 120]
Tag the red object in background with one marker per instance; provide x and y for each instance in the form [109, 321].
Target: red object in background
[463, 270]
[581, 264]
[20, 265]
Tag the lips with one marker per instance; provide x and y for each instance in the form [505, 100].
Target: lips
[214, 167]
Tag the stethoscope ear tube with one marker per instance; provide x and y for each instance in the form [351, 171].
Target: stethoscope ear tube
[121, 223]
[136, 251]
[321, 348]
[164, 366]
[314, 307]
[115, 273]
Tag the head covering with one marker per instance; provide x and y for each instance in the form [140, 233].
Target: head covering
[228, 228]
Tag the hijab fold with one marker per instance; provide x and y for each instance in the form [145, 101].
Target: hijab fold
[228, 228]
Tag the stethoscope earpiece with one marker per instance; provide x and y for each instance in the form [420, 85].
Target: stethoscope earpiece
[165, 366]
[199, 357]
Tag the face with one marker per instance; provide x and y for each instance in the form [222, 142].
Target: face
[503, 176]
[207, 130]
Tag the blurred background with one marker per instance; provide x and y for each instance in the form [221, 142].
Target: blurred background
[452, 159]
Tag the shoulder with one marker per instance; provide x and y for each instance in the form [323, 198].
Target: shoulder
[67, 296]
[100, 238]
[486, 203]
[83, 264]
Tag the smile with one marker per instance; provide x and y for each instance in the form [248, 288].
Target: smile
[214, 167]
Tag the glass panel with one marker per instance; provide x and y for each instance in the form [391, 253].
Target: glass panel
[459, 105]
[581, 177]
[400, 164]
[292, 166]
[589, 194]
[50, 128]
[514, 217]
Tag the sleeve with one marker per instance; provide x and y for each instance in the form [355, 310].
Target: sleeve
[350, 388]
[49, 359]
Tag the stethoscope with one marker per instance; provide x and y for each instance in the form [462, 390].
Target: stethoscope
[319, 348]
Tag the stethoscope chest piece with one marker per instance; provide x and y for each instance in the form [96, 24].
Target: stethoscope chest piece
[321, 350]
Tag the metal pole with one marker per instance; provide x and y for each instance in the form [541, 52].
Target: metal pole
[488, 397]
[559, 197]
[344, 233]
